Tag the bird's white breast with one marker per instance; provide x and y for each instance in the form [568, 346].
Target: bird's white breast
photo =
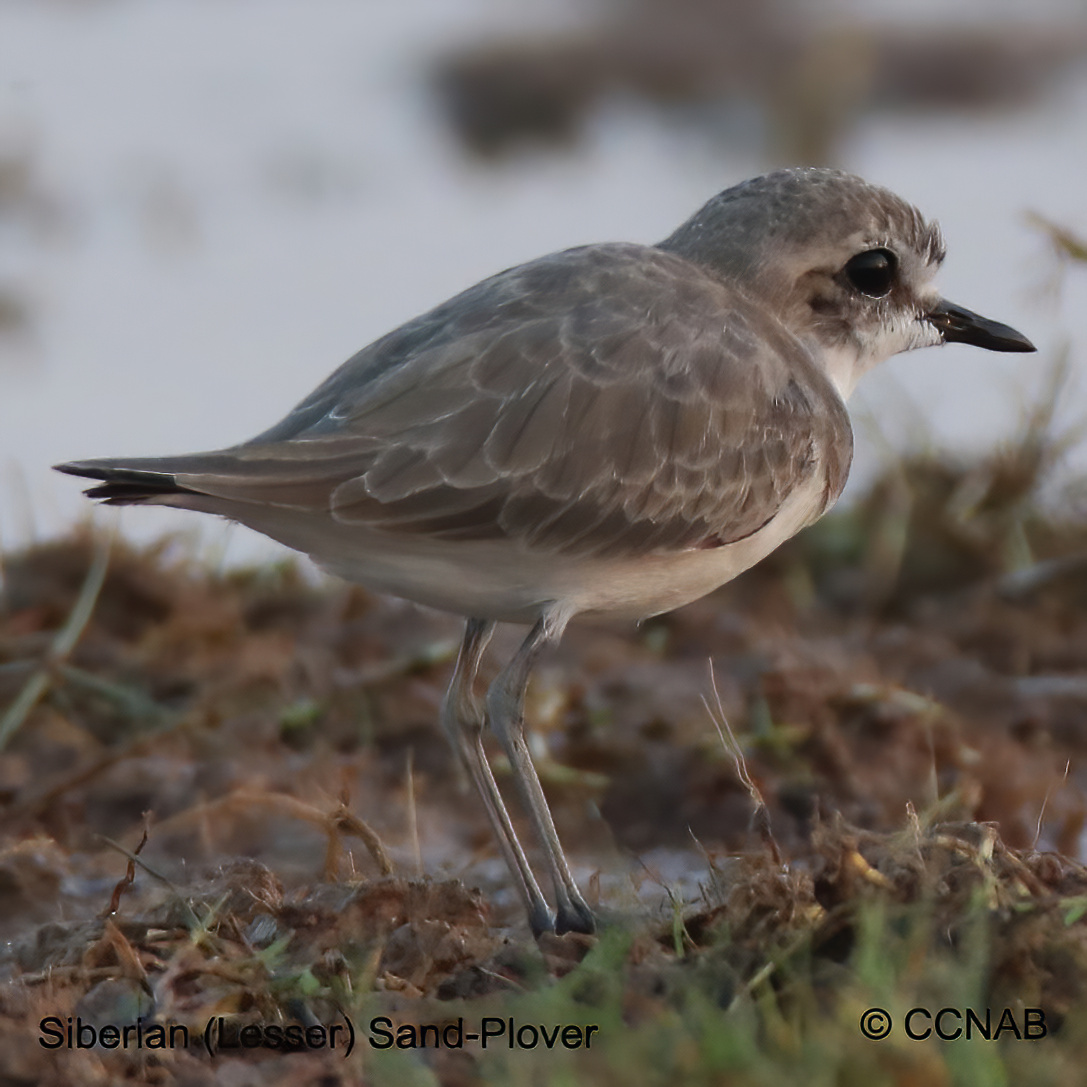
[500, 580]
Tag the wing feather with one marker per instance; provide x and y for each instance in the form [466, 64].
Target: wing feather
[611, 400]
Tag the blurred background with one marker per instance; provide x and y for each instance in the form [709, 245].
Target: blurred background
[206, 207]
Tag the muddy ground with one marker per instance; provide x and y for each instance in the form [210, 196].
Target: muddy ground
[225, 794]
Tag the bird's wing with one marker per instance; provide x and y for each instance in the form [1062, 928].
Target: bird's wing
[606, 401]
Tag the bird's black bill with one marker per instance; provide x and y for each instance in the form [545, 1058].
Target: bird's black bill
[958, 325]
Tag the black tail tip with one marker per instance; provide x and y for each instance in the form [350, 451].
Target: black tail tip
[119, 485]
[80, 468]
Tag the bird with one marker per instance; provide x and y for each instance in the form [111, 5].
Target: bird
[611, 429]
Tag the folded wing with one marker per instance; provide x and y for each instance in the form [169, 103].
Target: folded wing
[606, 401]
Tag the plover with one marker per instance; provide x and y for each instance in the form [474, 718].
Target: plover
[615, 428]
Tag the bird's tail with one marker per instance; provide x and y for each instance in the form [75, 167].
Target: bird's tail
[125, 483]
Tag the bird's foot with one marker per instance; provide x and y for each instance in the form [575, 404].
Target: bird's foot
[575, 917]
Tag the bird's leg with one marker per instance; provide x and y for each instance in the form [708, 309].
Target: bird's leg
[506, 716]
[462, 719]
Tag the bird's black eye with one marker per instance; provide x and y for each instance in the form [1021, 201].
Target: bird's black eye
[872, 272]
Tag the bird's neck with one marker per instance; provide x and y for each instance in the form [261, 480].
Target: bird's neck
[844, 366]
